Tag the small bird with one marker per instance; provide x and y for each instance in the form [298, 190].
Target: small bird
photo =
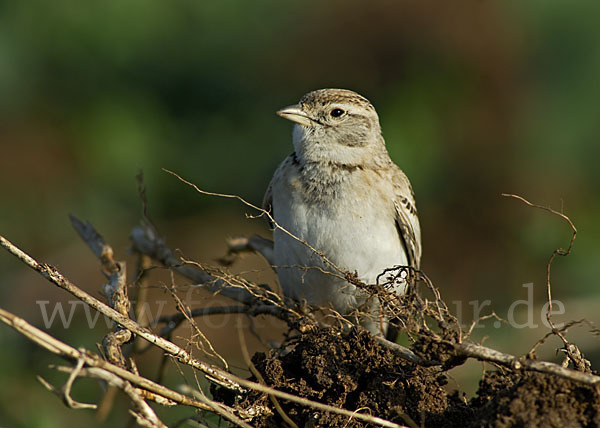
[340, 202]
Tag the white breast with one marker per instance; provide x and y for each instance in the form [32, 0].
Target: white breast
[354, 228]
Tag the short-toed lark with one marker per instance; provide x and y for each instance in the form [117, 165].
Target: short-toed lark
[339, 193]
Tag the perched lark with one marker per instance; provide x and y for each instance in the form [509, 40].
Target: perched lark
[340, 193]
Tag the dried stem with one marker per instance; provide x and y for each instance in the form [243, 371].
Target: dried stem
[69, 353]
[54, 276]
[572, 351]
[414, 313]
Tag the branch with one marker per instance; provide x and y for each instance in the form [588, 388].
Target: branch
[404, 352]
[145, 241]
[173, 321]
[115, 290]
[483, 353]
[254, 244]
[54, 276]
[69, 353]
[106, 370]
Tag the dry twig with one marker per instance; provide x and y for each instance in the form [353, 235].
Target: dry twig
[414, 312]
[571, 350]
[54, 276]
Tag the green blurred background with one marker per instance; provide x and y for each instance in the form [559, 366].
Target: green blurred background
[475, 98]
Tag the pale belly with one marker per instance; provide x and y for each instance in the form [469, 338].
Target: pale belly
[354, 236]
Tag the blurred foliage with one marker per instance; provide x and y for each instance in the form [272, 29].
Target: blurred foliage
[475, 98]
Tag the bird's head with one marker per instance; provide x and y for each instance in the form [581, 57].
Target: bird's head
[335, 125]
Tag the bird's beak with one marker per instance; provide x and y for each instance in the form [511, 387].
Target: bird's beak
[295, 114]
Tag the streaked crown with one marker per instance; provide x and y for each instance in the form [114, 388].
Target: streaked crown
[324, 97]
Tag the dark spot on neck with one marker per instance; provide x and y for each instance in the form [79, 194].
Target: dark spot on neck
[345, 167]
[295, 158]
[296, 162]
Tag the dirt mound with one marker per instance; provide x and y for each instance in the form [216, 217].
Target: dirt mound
[534, 400]
[353, 371]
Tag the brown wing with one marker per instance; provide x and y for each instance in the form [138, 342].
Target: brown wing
[407, 220]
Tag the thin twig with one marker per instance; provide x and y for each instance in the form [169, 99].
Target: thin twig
[54, 276]
[313, 404]
[556, 252]
[572, 351]
[69, 353]
[185, 311]
[265, 213]
[65, 391]
[173, 321]
[260, 378]
[145, 241]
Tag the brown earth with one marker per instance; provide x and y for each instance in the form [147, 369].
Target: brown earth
[354, 372]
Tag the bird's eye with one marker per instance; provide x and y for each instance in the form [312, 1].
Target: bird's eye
[337, 112]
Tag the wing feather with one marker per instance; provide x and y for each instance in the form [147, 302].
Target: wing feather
[407, 220]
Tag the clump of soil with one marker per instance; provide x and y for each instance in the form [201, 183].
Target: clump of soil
[351, 371]
[354, 371]
[534, 400]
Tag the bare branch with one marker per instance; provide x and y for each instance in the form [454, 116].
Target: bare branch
[173, 321]
[483, 353]
[145, 416]
[404, 352]
[255, 244]
[145, 241]
[69, 353]
[54, 276]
